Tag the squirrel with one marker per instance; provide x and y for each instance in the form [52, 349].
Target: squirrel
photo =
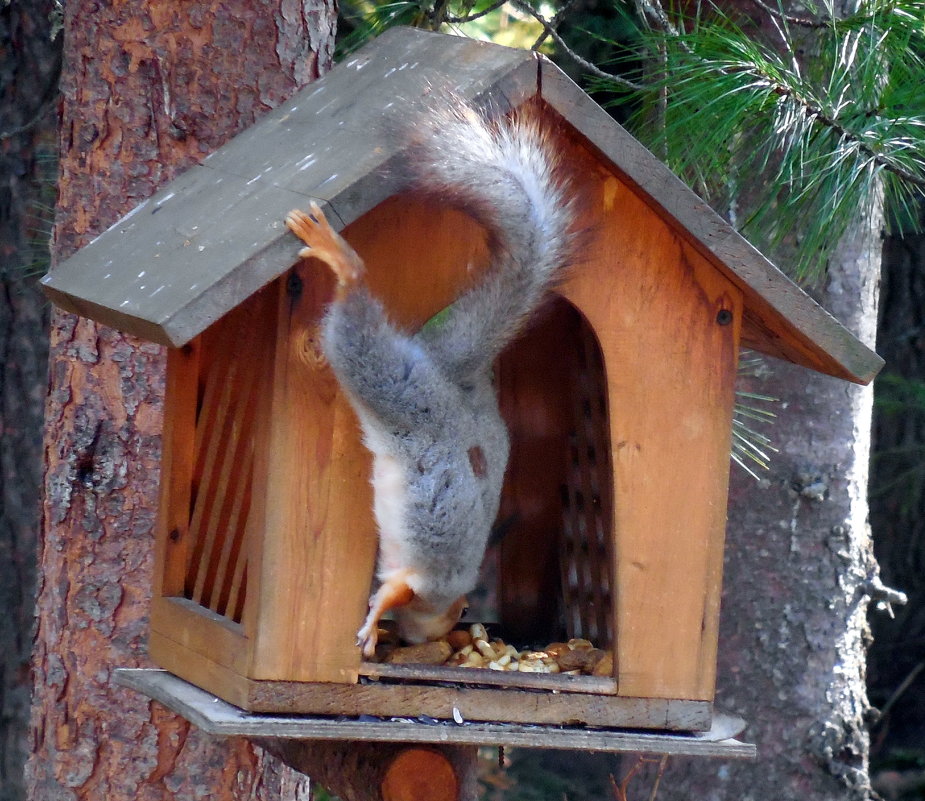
[426, 401]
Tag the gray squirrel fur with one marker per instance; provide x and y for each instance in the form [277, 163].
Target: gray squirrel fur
[426, 401]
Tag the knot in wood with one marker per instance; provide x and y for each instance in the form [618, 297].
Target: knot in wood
[307, 343]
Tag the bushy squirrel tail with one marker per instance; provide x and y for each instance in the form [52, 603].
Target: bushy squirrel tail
[507, 176]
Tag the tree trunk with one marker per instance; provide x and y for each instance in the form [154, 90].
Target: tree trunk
[798, 569]
[29, 65]
[148, 89]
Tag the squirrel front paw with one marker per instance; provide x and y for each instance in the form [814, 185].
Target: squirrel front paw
[393, 593]
[367, 638]
[325, 244]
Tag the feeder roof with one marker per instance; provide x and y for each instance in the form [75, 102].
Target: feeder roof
[211, 238]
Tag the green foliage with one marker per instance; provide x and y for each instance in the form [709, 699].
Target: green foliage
[901, 470]
[897, 395]
[826, 111]
[33, 257]
[489, 20]
[320, 794]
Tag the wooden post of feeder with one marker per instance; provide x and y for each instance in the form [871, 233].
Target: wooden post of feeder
[383, 771]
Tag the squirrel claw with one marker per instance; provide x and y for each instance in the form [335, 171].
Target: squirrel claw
[366, 641]
[325, 244]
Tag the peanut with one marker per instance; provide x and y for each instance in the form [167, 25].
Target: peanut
[427, 653]
[459, 638]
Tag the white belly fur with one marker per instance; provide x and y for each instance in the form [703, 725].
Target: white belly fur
[389, 493]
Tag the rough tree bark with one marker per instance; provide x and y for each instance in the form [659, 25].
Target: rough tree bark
[148, 89]
[29, 64]
[799, 566]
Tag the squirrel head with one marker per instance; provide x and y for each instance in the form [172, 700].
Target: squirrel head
[419, 621]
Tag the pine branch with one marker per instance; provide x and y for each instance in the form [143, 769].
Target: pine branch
[653, 10]
[619, 80]
[815, 113]
[803, 22]
[553, 24]
[48, 100]
[478, 15]
[39, 115]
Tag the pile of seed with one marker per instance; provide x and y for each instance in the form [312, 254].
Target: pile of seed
[471, 648]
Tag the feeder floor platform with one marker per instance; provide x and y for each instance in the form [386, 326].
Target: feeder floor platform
[217, 717]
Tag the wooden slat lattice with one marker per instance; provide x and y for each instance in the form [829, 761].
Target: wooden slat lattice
[585, 557]
[229, 385]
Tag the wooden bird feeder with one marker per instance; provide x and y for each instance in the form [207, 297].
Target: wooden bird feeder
[619, 401]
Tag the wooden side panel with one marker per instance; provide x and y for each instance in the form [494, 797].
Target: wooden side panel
[178, 455]
[213, 389]
[233, 378]
[314, 500]
[669, 325]
[185, 627]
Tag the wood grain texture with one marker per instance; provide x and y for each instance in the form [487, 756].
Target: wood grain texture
[198, 667]
[319, 540]
[357, 771]
[670, 368]
[185, 625]
[220, 718]
[500, 704]
[314, 503]
[412, 700]
[311, 511]
[172, 540]
[560, 682]
[237, 353]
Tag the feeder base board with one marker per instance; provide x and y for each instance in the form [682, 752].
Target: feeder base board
[217, 717]
[390, 697]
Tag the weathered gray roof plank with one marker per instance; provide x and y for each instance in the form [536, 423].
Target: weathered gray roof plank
[215, 235]
[773, 303]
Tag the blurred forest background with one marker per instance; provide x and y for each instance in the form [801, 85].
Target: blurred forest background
[599, 43]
